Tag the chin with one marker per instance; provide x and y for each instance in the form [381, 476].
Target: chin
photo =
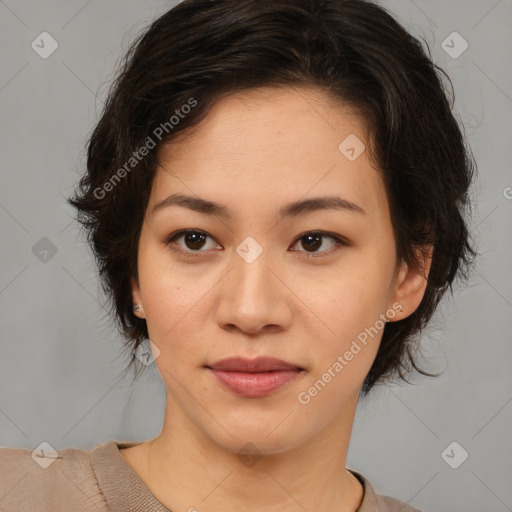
[258, 438]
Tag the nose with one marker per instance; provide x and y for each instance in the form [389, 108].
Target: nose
[254, 298]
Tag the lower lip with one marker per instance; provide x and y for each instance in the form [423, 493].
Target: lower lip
[252, 384]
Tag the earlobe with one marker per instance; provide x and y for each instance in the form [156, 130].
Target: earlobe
[411, 283]
[138, 309]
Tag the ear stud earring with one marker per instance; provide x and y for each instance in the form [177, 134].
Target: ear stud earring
[136, 307]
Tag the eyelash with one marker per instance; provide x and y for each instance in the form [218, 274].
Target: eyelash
[340, 242]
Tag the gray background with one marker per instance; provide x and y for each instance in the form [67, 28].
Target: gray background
[60, 364]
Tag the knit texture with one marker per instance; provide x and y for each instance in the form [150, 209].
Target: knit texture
[100, 480]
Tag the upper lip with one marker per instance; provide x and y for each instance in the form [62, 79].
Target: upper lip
[259, 364]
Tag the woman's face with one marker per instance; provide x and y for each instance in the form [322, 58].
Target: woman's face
[248, 281]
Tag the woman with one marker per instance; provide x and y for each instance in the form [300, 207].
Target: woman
[275, 195]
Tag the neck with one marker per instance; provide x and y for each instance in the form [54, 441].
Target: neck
[187, 470]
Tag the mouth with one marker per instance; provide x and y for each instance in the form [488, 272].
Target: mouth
[254, 378]
[257, 365]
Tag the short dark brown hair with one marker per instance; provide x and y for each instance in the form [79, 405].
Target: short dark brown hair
[355, 51]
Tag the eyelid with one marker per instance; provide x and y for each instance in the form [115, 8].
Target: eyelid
[339, 241]
[182, 232]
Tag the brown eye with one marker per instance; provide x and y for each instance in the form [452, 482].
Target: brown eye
[313, 241]
[194, 241]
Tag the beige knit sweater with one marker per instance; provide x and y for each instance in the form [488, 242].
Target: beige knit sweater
[100, 480]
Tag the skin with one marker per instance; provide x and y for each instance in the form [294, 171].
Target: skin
[255, 152]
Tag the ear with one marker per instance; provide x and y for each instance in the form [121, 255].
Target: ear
[136, 298]
[410, 284]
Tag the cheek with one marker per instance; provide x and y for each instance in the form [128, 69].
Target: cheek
[345, 303]
[169, 293]
[177, 304]
[345, 351]
[347, 325]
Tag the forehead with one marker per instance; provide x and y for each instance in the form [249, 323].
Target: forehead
[272, 143]
[273, 119]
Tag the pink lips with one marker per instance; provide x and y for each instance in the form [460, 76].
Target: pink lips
[253, 378]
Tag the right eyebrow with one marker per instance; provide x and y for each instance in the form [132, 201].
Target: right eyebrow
[291, 210]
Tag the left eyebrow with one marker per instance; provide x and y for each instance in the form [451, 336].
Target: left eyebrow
[320, 203]
[290, 210]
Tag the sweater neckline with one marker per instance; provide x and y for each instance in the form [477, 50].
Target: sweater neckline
[124, 490]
